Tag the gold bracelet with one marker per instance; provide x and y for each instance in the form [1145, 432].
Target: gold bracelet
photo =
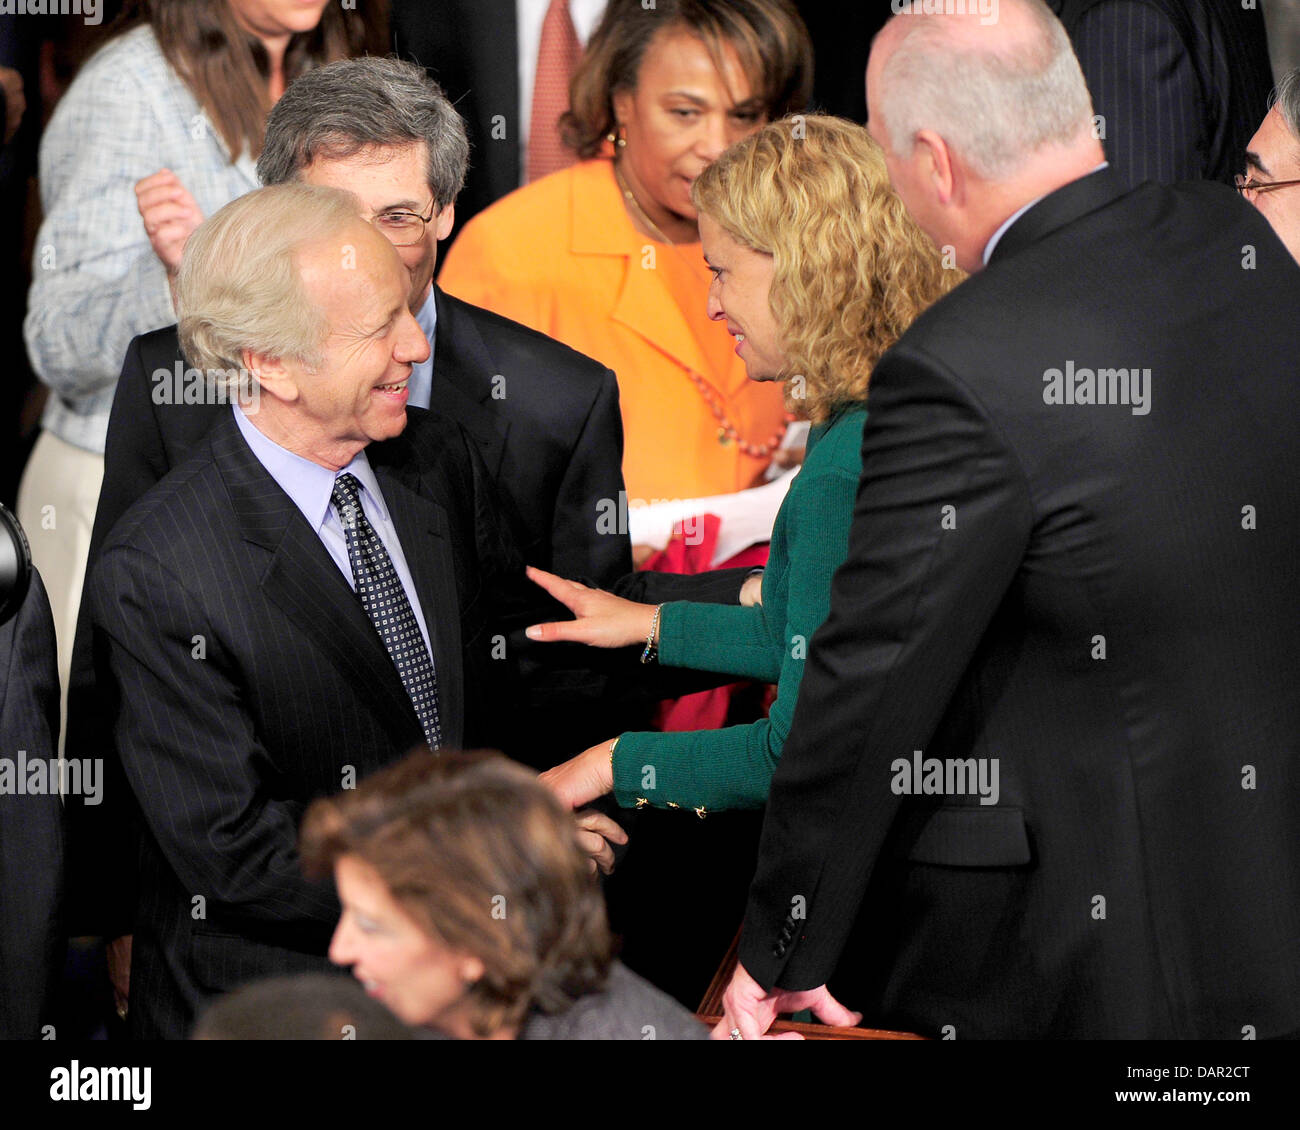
[652, 640]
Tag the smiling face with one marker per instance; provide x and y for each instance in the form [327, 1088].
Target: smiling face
[417, 978]
[1274, 155]
[392, 179]
[739, 295]
[357, 394]
[681, 116]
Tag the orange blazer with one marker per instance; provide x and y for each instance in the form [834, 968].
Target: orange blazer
[561, 255]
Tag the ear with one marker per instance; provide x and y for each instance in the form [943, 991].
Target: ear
[274, 376]
[470, 969]
[444, 221]
[936, 166]
[622, 103]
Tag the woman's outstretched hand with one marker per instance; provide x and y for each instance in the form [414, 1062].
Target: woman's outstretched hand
[603, 619]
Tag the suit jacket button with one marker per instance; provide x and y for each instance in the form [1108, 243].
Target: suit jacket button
[778, 950]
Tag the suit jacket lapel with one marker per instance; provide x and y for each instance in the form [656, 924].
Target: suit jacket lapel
[463, 373]
[1054, 211]
[302, 579]
[423, 529]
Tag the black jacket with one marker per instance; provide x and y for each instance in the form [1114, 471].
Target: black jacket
[31, 825]
[1099, 600]
[242, 678]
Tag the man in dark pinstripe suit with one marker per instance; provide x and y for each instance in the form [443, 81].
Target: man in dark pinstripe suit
[311, 595]
[1181, 84]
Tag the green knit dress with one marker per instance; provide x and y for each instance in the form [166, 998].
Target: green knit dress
[708, 770]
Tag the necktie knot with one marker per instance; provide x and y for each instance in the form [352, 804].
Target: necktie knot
[346, 497]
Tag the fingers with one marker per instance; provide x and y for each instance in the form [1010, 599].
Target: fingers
[169, 244]
[160, 194]
[604, 825]
[596, 832]
[154, 180]
[563, 590]
[164, 187]
[829, 1011]
[558, 631]
[170, 215]
[567, 593]
[167, 213]
[598, 849]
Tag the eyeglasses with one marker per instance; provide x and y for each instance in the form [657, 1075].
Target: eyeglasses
[404, 229]
[1244, 184]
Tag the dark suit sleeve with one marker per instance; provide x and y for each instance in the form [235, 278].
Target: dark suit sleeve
[908, 609]
[1143, 81]
[595, 472]
[31, 826]
[190, 751]
[716, 586]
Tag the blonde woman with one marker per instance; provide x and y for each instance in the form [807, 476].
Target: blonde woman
[817, 270]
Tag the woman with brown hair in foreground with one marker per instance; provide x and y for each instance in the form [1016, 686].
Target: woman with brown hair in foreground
[469, 907]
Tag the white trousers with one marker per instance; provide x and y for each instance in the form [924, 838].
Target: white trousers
[56, 505]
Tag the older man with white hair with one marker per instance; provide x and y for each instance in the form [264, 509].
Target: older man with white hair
[300, 603]
[1041, 778]
[1272, 178]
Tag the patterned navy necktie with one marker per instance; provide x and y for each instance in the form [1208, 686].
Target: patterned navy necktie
[384, 599]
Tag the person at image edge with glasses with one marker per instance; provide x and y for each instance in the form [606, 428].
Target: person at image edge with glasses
[1273, 164]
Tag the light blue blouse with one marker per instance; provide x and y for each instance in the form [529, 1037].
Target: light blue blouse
[96, 281]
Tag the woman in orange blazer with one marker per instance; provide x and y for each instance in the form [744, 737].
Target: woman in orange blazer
[605, 255]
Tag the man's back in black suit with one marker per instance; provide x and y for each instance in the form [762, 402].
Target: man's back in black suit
[1080, 592]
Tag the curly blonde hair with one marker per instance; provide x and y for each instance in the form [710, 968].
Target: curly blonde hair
[851, 269]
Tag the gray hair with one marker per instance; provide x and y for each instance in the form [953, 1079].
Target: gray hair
[995, 108]
[339, 109]
[239, 285]
[1286, 97]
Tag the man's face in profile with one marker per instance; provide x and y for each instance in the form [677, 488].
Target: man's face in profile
[357, 392]
[1274, 155]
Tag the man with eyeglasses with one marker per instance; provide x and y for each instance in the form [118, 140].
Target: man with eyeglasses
[544, 419]
[1272, 178]
[305, 599]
